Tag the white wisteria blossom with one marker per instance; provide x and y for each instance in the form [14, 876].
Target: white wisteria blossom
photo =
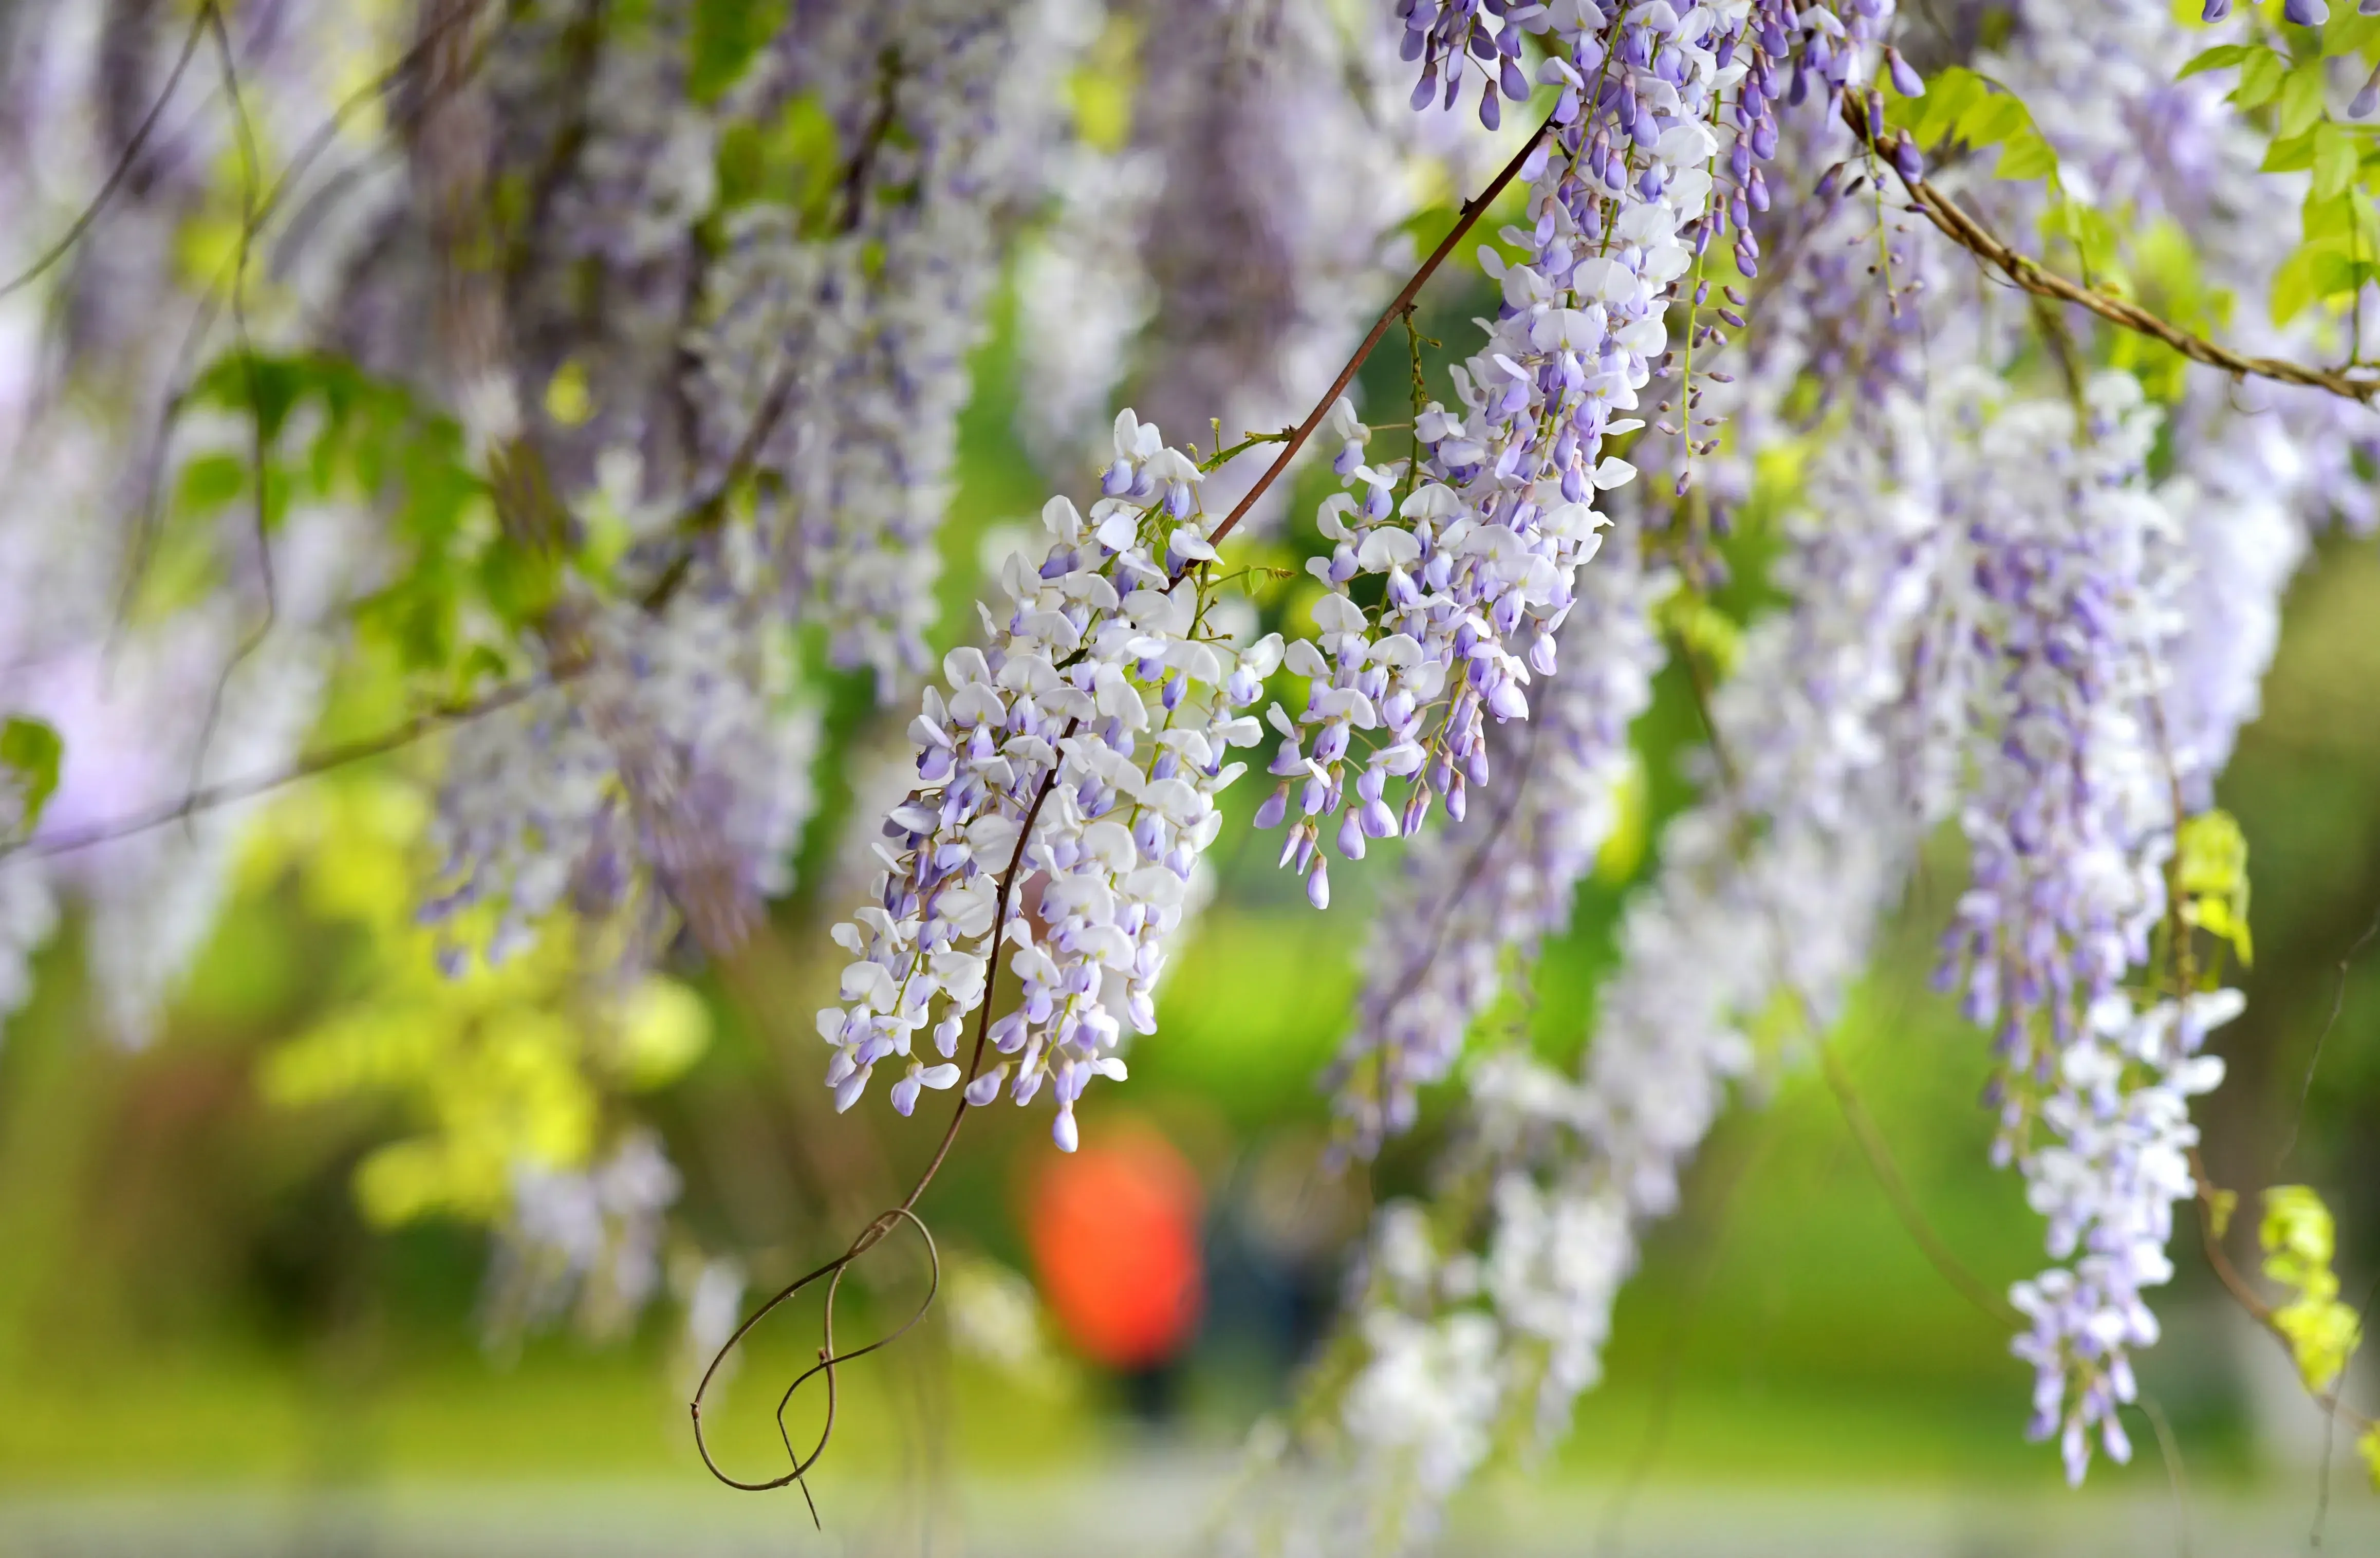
[1769, 892]
[1066, 788]
[838, 340]
[589, 1238]
[667, 775]
[1497, 516]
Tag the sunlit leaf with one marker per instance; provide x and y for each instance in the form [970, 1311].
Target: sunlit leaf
[31, 752]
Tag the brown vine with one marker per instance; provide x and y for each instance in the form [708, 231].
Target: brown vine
[1963, 229]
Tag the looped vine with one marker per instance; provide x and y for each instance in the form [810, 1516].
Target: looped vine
[832, 1274]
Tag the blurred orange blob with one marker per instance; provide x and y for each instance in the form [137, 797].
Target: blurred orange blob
[1113, 1229]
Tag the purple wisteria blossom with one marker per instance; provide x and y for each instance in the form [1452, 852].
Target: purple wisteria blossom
[1472, 894]
[1065, 790]
[2072, 586]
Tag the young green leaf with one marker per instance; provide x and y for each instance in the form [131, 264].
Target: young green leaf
[30, 754]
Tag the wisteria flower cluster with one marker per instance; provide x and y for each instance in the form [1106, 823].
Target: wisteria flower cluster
[1470, 894]
[1497, 516]
[1084, 745]
[2075, 577]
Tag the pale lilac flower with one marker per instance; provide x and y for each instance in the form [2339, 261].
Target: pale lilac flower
[1099, 717]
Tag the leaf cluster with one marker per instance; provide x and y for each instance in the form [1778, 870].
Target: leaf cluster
[459, 590]
[2284, 87]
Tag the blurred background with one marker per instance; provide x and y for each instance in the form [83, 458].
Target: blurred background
[217, 1335]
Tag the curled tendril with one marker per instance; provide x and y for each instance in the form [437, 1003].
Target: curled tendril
[829, 1358]
[869, 1238]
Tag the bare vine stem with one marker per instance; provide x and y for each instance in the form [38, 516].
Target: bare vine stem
[125, 161]
[1965, 229]
[873, 1234]
[1888, 1177]
[203, 319]
[2314, 1062]
[1473, 211]
[251, 167]
[321, 760]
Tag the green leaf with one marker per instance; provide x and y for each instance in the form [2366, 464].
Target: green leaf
[2293, 286]
[727, 33]
[30, 752]
[2292, 153]
[1960, 105]
[1995, 117]
[2301, 99]
[521, 582]
[2220, 57]
[2350, 35]
[2260, 78]
[2321, 270]
[567, 400]
[2095, 238]
[210, 481]
[2336, 273]
[2299, 1241]
[2028, 156]
[794, 159]
[2335, 161]
[1934, 119]
[2331, 219]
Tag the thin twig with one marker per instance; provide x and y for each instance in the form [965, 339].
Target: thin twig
[252, 167]
[2176, 1479]
[2314, 1062]
[317, 144]
[323, 759]
[2330, 1423]
[582, 47]
[1452, 905]
[1472, 211]
[707, 512]
[873, 1234]
[1964, 229]
[1881, 1162]
[1664, 1390]
[1864, 1129]
[123, 164]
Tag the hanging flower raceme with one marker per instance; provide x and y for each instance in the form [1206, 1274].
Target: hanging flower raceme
[1504, 877]
[1480, 554]
[1767, 899]
[2073, 617]
[1067, 790]
[587, 1237]
[666, 776]
[2110, 1156]
[948, 107]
